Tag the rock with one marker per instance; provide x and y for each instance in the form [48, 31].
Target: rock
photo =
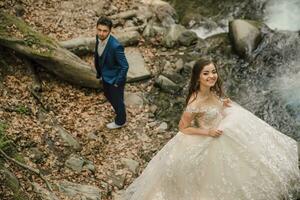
[190, 65]
[128, 38]
[171, 39]
[152, 124]
[84, 191]
[166, 84]
[172, 74]
[153, 108]
[179, 65]
[20, 11]
[170, 71]
[92, 136]
[149, 31]
[75, 163]
[188, 38]
[43, 193]
[68, 139]
[10, 180]
[36, 155]
[113, 9]
[129, 23]
[132, 165]
[137, 68]
[160, 30]
[143, 137]
[245, 36]
[163, 12]
[299, 151]
[162, 127]
[117, 181]
[89, 166]
[133, 99]
[117, 195]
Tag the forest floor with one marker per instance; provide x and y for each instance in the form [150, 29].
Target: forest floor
[81, 112]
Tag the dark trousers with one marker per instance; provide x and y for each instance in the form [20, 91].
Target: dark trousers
[115, 96]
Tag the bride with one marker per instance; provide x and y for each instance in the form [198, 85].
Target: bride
[222, 152]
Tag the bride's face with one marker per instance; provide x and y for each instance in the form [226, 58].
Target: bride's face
[208, 76]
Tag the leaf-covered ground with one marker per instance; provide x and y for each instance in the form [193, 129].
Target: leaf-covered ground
[81, 112]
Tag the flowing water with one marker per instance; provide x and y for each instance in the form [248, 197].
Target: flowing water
[269, 84]
[283, 14]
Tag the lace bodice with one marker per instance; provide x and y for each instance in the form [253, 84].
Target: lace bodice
[206, 115]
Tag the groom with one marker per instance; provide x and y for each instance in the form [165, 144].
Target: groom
[111, 66]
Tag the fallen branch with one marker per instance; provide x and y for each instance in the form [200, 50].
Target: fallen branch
[31, 169]
[18, 36]
[38, 98]
[85, 45]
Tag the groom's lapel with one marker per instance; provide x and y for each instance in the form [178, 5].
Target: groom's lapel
[106, 49]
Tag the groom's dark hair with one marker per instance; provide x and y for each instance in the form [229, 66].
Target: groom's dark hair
[105, 21]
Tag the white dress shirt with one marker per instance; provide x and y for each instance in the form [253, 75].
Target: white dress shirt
[102, 45]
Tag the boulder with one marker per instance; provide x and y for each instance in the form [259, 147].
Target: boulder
[187, 38]
[171, 39]
[245, 36]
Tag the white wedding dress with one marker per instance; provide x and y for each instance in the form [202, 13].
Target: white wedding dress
[250, 161]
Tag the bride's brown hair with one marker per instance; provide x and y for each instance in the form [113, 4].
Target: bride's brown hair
[195, 84]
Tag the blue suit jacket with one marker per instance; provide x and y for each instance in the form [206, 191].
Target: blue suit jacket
[113, 65]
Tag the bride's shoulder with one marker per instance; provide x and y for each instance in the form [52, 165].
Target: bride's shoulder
[194, 104]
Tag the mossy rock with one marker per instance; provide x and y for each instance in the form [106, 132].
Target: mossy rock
[14, 30]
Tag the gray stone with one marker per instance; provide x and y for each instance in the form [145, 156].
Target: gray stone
[137, 68]
[245, 36]
[153, 108]
[129, 23]
[132, 165]
[92, 136]
[162, 127]
[36, 155]
[143, 137]
[188, 38]
[43, 193]
[164, 12]
[172, 75]
[179, 65]
[128, 38]
[299, 151]
[68, 139]
[75, 163]
[166, 84]
[190, 65]
[170, 40]
[149, 31]
[117, 181]
[89, 165]
[10, 179]
[133, 99]
[20, 10]
[84, 191]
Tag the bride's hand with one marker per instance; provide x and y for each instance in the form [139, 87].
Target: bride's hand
[226, 102]
[215, 132]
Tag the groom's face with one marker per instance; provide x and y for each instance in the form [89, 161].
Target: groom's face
[103, 31]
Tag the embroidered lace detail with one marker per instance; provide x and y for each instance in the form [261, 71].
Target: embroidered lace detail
[250, 161]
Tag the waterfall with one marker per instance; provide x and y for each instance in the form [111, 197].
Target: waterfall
[283, 14]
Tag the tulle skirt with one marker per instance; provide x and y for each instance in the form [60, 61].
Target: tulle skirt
[250, 161]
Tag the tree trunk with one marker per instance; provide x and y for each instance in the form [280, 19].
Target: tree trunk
[17, 35]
